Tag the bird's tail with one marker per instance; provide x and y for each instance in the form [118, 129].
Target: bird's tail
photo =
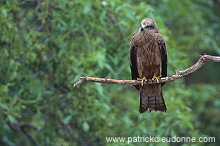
[151, 98]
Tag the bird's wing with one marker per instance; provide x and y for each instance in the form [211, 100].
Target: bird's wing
[163, 52]
[133, 59]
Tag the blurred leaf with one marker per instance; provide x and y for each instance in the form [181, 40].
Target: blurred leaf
[86, 126]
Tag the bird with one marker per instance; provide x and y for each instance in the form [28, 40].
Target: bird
[148, 60]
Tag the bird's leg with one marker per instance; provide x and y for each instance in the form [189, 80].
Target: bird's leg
[156, 77]
[142, 80]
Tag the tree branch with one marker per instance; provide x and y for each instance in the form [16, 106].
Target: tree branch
[178, 74]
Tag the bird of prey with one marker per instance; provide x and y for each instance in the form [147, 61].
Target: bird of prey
[148, 60]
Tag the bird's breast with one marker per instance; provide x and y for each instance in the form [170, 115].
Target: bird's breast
[148, 52]
[148, 56]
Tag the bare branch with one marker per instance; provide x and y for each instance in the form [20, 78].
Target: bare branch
[178, 74]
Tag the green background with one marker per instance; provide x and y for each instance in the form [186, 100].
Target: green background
[46, 45]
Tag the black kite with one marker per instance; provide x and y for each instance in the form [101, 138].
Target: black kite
[148, 60]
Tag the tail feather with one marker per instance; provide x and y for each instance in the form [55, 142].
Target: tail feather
[151, 98]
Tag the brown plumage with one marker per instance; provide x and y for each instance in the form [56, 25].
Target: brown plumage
[148, 58]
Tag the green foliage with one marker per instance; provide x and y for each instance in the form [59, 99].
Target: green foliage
[46, 46]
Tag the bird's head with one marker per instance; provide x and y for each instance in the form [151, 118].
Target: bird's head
[148, 25]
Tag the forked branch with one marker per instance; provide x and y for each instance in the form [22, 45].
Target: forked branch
[178, 74]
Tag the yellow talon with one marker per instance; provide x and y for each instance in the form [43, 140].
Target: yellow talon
[156, 77]
[142, 80]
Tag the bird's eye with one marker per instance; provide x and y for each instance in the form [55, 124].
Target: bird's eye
[150, 27]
